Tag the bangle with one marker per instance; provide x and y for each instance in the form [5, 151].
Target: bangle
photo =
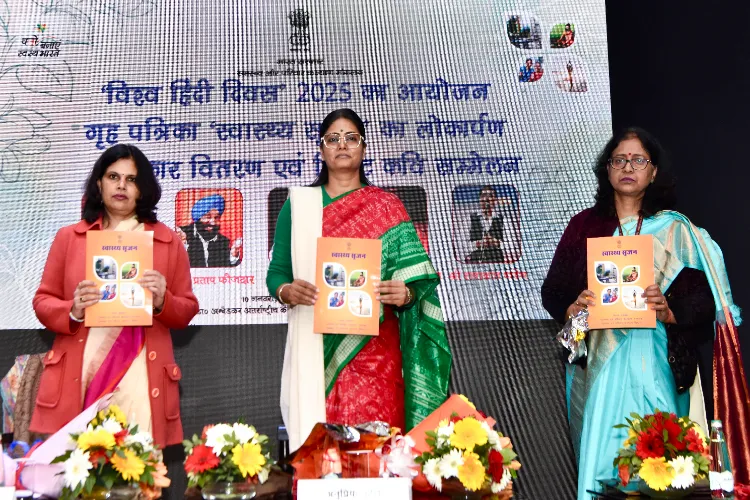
[74, 318]
[409, 296]
[278, 294]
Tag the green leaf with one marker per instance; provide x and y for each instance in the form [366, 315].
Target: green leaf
[621, 426]
[507, 454]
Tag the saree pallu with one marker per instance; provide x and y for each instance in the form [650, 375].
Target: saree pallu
[364, 374]
[627, 370]
[402, 374]
[115, 358]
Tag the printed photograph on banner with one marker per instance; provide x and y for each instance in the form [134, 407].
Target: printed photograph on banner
[531, 69]
[523, 31]
[210, 224]
[569, 74]
[486, 224]
[562, 35]
[414, 199]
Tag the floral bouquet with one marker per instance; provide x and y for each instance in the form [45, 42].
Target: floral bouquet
[227, 454]
[111, 453]
[663, 450]
[480, 458]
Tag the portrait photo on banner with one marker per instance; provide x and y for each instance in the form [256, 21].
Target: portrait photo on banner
[210, 224]
[414, 199]
[486, 224]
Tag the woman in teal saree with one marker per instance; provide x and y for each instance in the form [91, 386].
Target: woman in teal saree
[634, 370]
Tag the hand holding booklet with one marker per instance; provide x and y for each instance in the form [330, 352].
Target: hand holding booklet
[619, 269]
[346, 272]
[115, 261]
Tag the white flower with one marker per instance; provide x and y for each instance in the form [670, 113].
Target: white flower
[144, 439]
[492, 436]
[498, 487]
[444, 432]
[450, 463]
[77, 468]
[243, 433]
[216, 437]
[263, 474]
[684, 471]
[112, 426]
[431, 471]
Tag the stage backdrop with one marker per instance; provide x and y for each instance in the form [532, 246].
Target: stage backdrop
[507, 100]
[225, 98]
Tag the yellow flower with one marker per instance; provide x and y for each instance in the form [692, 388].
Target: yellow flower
[130, 467]
[248, 458]
[657, 473]
[468, 433]
[466, 400]
[471, 473]
[632, 438]
[97, 438]
[579, 335]
[116, 413]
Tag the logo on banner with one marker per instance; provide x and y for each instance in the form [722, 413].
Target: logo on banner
[299, 40]
[34, 46]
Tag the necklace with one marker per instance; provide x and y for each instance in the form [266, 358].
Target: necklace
[637, 227]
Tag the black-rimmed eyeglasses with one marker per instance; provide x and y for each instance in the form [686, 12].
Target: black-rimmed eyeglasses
[636, 163]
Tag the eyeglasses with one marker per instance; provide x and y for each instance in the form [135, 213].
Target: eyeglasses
[351, 141]
[636, 163]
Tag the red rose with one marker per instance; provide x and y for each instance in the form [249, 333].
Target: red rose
[456, 418]
[694, 441]
[649, 445]
[496, 465]
[624, 472]
[201, 459]
[673, 432]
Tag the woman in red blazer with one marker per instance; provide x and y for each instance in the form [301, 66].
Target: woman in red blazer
[86, 363]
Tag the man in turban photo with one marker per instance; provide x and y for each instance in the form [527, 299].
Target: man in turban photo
[205, 245]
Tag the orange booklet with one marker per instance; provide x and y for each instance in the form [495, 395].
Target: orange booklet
[347, 269]
[620, 268]
[115, 261]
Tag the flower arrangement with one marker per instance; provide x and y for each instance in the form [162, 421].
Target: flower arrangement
[471, 451]
[663, 450]
[227, 454]
[112, 453]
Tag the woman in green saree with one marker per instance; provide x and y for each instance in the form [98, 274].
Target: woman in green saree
[399, 376]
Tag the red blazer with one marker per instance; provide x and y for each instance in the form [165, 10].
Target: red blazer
[59, 399]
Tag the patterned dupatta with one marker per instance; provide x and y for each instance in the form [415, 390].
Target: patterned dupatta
[426, 358]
